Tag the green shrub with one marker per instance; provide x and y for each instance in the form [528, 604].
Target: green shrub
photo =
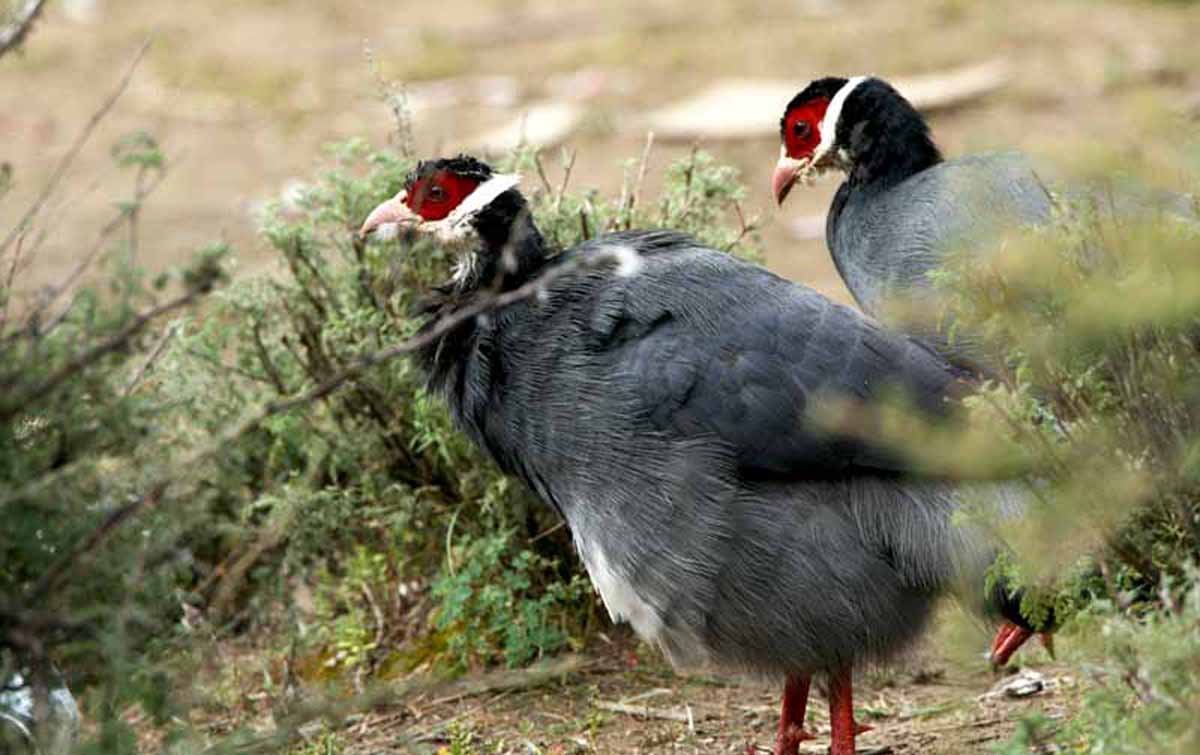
[215, 491]
[93, 542]
[1098, 316]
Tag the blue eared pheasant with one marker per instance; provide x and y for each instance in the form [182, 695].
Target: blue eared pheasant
[661, 396]
[903, 208]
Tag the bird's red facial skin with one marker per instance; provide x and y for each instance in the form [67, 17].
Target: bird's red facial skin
[435, 197]
[802, 128]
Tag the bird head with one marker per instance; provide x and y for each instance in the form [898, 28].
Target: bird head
[457, 201]
[808, 132]
[862, 126]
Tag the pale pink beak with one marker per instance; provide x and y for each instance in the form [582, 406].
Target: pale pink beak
[391, 212]
[784, 177]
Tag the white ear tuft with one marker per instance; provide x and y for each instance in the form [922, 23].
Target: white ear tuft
[833, 114]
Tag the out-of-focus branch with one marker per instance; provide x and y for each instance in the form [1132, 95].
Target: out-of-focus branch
[60, 170]
[71, 560]
[13, 34]
[25, 397]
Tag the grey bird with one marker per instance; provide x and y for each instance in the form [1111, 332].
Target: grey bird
[664, 397]
[903, 208]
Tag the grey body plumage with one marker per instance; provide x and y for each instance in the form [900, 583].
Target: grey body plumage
[670, 401]
[903, 209]
[667, 415]
[887, 240]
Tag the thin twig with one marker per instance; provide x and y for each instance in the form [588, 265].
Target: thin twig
[396, 98]
[89, 357]
[584, 230]
[8, 280]
[88, 129]
[13, 35]
[641, 174]
[644, 711]
[51, 293]
[72, 559]
[380, 625]
[744, 227]
[541, 171]
[155, 353]
[548, 531]
[562, 187]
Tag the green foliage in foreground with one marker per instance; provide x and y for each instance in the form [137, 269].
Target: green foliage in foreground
[372, 485]
[1098, 317]
[1138, 672]
[177, 500]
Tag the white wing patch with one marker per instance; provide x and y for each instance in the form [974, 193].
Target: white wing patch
[629, 259]
[621, 600]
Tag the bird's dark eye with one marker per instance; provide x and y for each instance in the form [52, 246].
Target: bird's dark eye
[436, 193]
[801, 129]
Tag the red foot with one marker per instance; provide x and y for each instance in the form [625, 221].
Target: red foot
[1008, 639]
[792, 710]
[788, 742]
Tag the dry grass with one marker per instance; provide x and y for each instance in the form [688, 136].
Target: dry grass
[244, 93]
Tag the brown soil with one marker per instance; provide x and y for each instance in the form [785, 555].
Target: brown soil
[925, 706]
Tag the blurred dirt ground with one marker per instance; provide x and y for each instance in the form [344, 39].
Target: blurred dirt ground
[243, 93]
[620, 698]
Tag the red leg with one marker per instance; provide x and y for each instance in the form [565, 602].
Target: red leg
[1008, 638]
[791, 715]
[792, 710]
[841, 714]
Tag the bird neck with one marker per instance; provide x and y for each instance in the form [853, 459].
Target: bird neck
[511, 249]
[887, 139]
[511, 252]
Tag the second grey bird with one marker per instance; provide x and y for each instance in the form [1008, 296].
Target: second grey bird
[903, 208]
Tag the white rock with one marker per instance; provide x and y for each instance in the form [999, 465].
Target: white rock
[739, 108]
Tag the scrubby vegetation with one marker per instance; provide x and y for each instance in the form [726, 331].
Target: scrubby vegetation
[208, 458]
[1098, 318]
[188, 467]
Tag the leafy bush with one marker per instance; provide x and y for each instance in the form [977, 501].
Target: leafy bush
[80, 461]
[377, 468]
[1099, 318]
[239, 472]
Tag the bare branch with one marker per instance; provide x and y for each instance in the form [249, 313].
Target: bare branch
[562, 188]
[541, 171]
[395, 96]
[155, 353]
[8, 281]
[72, 559]
[89, 357]
[52, 293]
[641, 174]
[65, 163]
[14, 33]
